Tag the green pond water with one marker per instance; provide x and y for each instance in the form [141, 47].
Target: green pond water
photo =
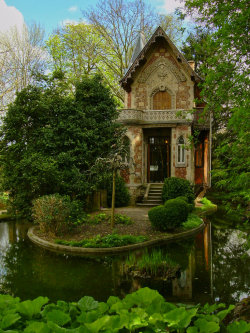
[212, 266]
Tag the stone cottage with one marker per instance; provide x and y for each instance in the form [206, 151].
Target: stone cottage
[160, 115]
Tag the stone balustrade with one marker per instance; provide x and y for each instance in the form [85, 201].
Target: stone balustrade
[134, 116]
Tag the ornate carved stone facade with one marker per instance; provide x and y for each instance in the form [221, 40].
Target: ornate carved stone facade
[155, 134]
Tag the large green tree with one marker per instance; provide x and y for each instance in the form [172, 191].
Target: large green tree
[50, 139]
[225, 88]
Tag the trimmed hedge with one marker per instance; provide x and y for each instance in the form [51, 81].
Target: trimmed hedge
[170, 216]
[175, 187]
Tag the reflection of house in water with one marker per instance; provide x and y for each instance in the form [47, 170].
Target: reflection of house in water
[182, 286]
[200, 263]
[193, 283]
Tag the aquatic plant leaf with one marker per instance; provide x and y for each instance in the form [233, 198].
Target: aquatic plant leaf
[99, 324]
[30, 308]
[112, 300]
[7, 301]
[8, 320]
[208, 309]
[206, 326]
[180, 317]
[58, 317]
[57, 329]
[102, 307]
[143, 297]
[222, 314]
[37, 327]
[63, 306]
[192, 330]
[156, 318]
[87, 303]
[238, 327]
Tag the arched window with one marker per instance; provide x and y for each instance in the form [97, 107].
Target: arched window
[161, 100]
[181, 150]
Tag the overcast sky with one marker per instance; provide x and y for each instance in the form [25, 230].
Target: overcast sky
[52, 13]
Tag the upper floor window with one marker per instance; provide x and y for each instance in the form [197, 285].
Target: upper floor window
[180, 150]
[161, 100]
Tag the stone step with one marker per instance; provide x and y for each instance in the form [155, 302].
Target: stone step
[151, 201]
[154, 197]
[146, 205]
[156, 186]
[155, 191]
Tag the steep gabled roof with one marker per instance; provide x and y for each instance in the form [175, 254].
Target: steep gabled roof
[134, 64]
[140, 43]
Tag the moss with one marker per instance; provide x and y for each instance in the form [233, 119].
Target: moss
[193, 221]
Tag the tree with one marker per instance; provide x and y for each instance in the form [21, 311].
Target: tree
[196, 48]
[21, 55]
[173, 26]
[225, 87]
[76, 50]
[50, 139]
[118, 22]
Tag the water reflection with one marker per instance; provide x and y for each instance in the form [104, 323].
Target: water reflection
[202, 272]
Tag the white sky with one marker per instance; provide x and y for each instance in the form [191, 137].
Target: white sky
[9, 17]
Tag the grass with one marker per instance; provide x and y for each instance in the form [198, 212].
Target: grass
[193, 221]
[113, 240]
[207, 207]
[151, 263]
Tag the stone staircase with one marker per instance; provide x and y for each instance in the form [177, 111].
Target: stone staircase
[152, 196]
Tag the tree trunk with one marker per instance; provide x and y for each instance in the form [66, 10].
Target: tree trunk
[113, 203]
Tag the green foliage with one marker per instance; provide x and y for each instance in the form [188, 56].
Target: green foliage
[50, 139]
[142, 311]
[226, 90]
[193, 221]
[170, 216]
[112, 240]
[207, 207]
[98, 218]
[175, 187]
[158, 217]
[156, 263]
[102, 218]
[3, 200]
[52, 213]
[122, 196]
[123, 219]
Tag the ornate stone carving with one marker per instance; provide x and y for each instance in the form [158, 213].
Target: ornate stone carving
[162, 65]
[139, 116]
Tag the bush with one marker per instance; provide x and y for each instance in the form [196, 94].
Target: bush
[170, 216]
[190, 205]
[122, 196]
[57, 214]
[158, 217]
[175, 187]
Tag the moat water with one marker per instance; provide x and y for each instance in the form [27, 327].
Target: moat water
[213, 266]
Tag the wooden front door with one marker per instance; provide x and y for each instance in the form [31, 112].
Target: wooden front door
[158, 158]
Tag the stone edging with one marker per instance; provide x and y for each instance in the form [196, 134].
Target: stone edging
[79, 251]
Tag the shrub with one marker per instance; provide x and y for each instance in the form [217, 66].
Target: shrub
[170, 216]
[158, 217]
[122, 196]
[99, 218]
[57, 214]
[52, 213]
[175, 187]
[190, 205]
[123, 219]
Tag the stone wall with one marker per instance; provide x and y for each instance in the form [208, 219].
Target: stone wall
[162, 72]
